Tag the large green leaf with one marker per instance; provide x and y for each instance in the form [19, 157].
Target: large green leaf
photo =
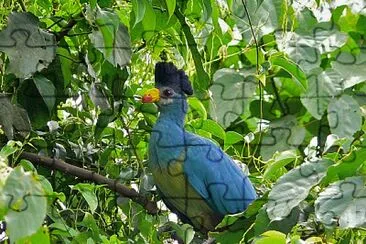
[29, 48]
[294, 187]
[111, 38]
[283, 134]
[232, 92]
[41, 236]
[323, 86]
[265, 16]
[343, 203]
[305, 46]
[351, 67]
[26, 203]
[344, 117]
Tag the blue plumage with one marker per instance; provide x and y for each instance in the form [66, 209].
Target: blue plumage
[195, 178]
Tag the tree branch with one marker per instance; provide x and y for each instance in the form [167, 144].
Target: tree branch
[84, 174]
[65, 30]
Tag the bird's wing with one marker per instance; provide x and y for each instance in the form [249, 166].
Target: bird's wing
[216, 177]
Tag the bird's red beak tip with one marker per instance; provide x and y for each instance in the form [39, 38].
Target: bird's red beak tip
[146, 99]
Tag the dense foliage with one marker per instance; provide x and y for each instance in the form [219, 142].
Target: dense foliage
[279, 85]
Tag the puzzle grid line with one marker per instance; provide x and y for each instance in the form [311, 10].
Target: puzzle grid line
[95, 54]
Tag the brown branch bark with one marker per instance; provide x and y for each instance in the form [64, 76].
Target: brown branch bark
[84, 174]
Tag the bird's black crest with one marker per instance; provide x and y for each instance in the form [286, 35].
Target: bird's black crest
[166, 74]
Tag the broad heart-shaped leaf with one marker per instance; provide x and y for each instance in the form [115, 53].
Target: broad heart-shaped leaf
[294, 187]
[352, 68]
[232, 92]
[343, 203]
[12, 117]
[323, 86]
[265, 16]
[344, 117]
[26, 203]
[283, 134]
[111, 38]
[306, 46]
[29, 48]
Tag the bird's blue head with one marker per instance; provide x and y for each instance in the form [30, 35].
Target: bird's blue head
[172, 86]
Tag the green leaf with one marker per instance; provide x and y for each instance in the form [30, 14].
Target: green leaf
[89, 222]
[214, 128]
[322, 88]
[344, 117]
[41, 236]
[232, 92]
[292, 68]
[185, 232]
[139, 8]
[294, 187]
[28, 47]
[88, 193]
[111, 38]
[26, 202]
[265, 17]
[348, 166]
[342, 203]
[233, 137]
[351, 67]
[283, 134]
[197, 105]
[270, 237]
[305, 46]
[47, 90]
[66, 61]
[171, 6]
[10, 148]
[263, 223]
[279, 161]
[149, 21]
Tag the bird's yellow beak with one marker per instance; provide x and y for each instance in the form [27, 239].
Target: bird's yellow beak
[151, 96]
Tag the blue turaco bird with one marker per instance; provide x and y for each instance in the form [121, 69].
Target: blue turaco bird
[195, 178]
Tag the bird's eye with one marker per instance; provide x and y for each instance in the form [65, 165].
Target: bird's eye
[168, 93]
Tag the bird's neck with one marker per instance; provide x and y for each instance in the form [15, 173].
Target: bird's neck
[174, 112]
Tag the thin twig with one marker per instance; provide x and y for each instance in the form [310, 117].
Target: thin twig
[257, 71]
